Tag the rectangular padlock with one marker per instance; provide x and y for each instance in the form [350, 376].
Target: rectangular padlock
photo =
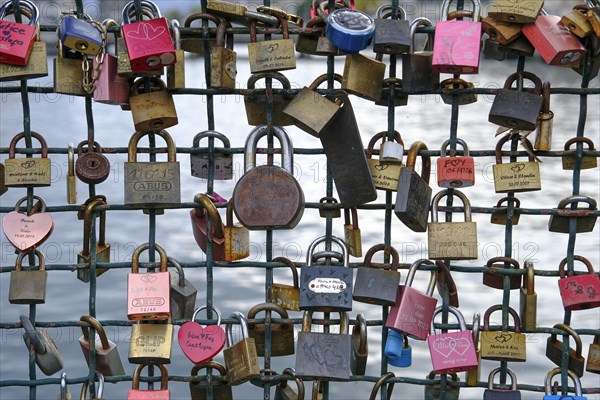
[241, 359]
[80, 35]
[554, 350]
[503, 345]
[108, 361]
[385, 171]
[587, 162]
[522, 12]
[516, 176]
[25, 171]
[585, 223]
[28, 287]
[455, 171]
[377, 283]
[363, 76]
[528, 300]
[16, 39]
[271, 55]
[162, 394]
[36, 67]
[579, 292]
[151, 343]
[517, 109]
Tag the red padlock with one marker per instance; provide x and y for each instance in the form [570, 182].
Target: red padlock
[579, 292]
[200, 216]
[455, 171]
[136, 394]
[555, 43]
[16, 39]
[149, 42]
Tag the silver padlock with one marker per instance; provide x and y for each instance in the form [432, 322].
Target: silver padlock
[37, 340]
[64, 393]
[98, 395]
[391, 151]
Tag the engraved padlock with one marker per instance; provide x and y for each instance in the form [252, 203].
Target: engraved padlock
[455, 171]
[69, 72]
[501, 32]
[108, 361]
[585, 222]
[363, 76]
[271, 55]
[579, 292]
[385, 171]
[17, 38]
[28, 230]
[151, 342]
[503, 345]
[237, 237]
[27, 172]
[516, 176]
[241, 359]
[222, 162]
[514, 12]
[587, 162]
[162, 394]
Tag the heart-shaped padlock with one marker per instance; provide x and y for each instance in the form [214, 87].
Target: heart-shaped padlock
[26, 232]
[199, 343]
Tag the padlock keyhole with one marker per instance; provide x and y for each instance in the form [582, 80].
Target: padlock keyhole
[93, 164]
[81, 45]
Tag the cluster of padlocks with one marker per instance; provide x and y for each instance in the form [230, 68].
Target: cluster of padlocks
[268, 197]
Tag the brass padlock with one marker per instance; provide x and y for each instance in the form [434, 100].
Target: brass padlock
[501, 31]
[554, 350]
[3, 188]
[27, 172]
[528, 300]
[516, 176]
[433, 391]
[593, 363]
[271, 55]
[283, 295]
[28, 287]
[501, 214]
[543, 137]
[515, 12]
[446, 87]
[307, 41]
[108, 361]
[237, 237]
[587, 162]
[363, 76]
[417, 71]
[502, 345]
[377, 283]
[326, 212]
[152, 111]
[196, 42]
[151, 342]
[360, 346]
[399, 98]
[183, 293]
[593, 15]
[585, 223]
[473, 376]
[385, 172]
[284, 391]
[39, 342]
[102, 252]
[223, 59]
[352, 232]
[577, 21]
[220, 390]
[256, 103]
[392, 32]
[496, 281]
[380, 383]
[176, 71]
[241, 359]
[97, 395]
[282, 334]
[200, 216]
[69, 73]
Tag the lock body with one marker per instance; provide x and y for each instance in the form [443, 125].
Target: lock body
[223, 162]
[81, 35]
[377, 284]
[397, 350]
[151, 343]
[502, 345]
[241, 361]
[455, 171]
[27, 287]
[149, 44]
[27, 172]
[456, 47]
[555, 43]
[110, 88]
[363, 76]
[282, 334]
[36, 66]
[152, 111]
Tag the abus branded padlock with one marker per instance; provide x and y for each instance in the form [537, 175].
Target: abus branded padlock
[452, 240]
[576, 383]
[417, 71]
[28, 287]
[554, 350]
[517, 109]
[268, 196]
[162, 394]
[433, 391]
[27, 172]
[183, 293]
[17, 39]
[397, 350]
[148, 296]
[152, 110]
[176, 71]
[287, 296]
[200, 217]
[587, 162]
[499, 394]
[271, 55]
[494, 280]
[385, 172]
[256, 103]
[326, 287]
[501, 214]
[223, 59]
[28, 231]
[414, 310]
[152, 184]
[452, 351]
[151, 342]
[457, 44]
[360, 346]
[503, 345]
[455, 171]
[579, 292]
[414, 192]
[378, 283]
[82, 35]
[241, 359]
[149, 43]
[109, 87]
[282, 334]
[323, 356]
[543, 137]
[283, 391]
[198, 388]
[380, 383]
[102, 249]
[593, 363]
[585, 222]
[40, 344]
[363, 76]
[92, 166]
[222, 162]
[392, 32]
[108, 361]
[350, 30]
[528, 300]
[201, 344]
[516, 176]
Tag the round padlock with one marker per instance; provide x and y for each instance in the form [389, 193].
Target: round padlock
[92, 166]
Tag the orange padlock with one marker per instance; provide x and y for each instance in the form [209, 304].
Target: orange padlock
[455, 171]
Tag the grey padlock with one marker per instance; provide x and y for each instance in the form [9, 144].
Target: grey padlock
[47, 356]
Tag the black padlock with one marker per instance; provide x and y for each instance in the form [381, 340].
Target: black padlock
[392, 35]
[378, 284]
[517, 109]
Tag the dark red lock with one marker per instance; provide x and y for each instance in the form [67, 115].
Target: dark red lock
[455, 171]
[579, 292]
[16, 39]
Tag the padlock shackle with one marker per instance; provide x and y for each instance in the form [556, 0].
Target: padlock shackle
[94, 323]
[506, 199]
[447, 83]
[529, 278]
[446, 144]
[287, 149]
[63, 386]
[13, 144]
[278, 76]
[324, 238]
[452, 310]
[87, 224]
[71, 160]
[42, 206]
[299, 384]
[475, 14]
[433, 374]
[322, 79]
[84, 387]
[476, 329]
[411, 159]
[571, 332]
[383, 137]
[418, 22]
[443, 193]
[537, 89]
[546, 98]
[351, 221]
[413, 269]
[382, 247]
[40, 256]
[585, 140]
[380, 382]
[193, 17]
[243, 325]
[558, 371]
[32, 334]
[229, 213]
[513, 378]
[222, 34]
[498, 307]
[360, 330]
[563, 263]
[215, 309]
[176, 33]
[386, 10]
[207, 204]
[209, 364]
[135, 258]
[135, 138]
[508, 262]
[26, 7]
[181, 275]
[130, 9]
[210, 134]
[344, 322]
[292, 266]
[577, 199]
[267, 307]
[164, 376]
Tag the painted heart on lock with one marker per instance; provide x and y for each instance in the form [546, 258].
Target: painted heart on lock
[200, 344]
[461, 346]
[26, 232]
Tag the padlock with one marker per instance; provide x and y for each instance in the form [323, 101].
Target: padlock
[585, 222]
[414, 192]
[554, 350]
[577, 21]
[97, 395]
[26, 231]
[325, 47]
[183, 293]
[455, 171]
[28, 287]
[564, 396]
[392, 35]
[502, 32]
[452, 351]
[380, 383]
[593, 363]
[283, 391]
[543, 137]
[349, 30]
[494, 50]
[151, 342]
[433, 391]
[446, 87]
[499, 394]
[555, 43]
[194, 42]
[282, 334]
[363, 76]
[27, 172]
[200, 217]
[417, 71]
[220, 390]
[516, 176]
[326, 212]
[223, 162]
[378, 283]
[579, 292]
[385, 172]
[521, 46]
[108, 361]
[413, 312]
[398, 98]
[528, 300]
[223, 68]
[152, 111]
[136, 394]
[239, 13]
[39, 342]
[283, 295]
[593, 16]
[91, 167]
[268, 196]
[473, 376]
[310, 111]
[176, 71]
[152, 184]
[503, 345]
[148, 296]
[360, 346]
[308, 41]
[256, 103]
[201, 344]
[109, 87]
[517, 109]
[323, 356]
[36, 67]
[501, 214]
[515, 12]
[587, 162]
[237, 237]
[64, 393]
[3, 188]
[81, 34]
[241, 359]
[271, 55]
[494, 280]
[69, 73]
[102, 247]
[352, 232]
[17, 38]
[397, 350]
[326, 287]
[149, 43]
[457, 44]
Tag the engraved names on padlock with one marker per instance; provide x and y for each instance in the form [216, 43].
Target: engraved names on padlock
[518, 176]
[327, 285]
[502, 343]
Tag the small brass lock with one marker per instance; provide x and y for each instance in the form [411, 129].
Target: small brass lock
[102, 248]
[385, 172]
[152, 110]
[241, 359]
[223, 68]
[282, 334]
[554, 350]
[27, 172]
[285, 295]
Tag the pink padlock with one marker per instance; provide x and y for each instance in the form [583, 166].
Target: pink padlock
[109, 88]
[413, 312]
[148, 42]
[452, 351]
[579, 292]
[457, 44]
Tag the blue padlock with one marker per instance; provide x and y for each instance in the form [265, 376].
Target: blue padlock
[82, 35]
[577, 383]
[350, 30]
[397, 350]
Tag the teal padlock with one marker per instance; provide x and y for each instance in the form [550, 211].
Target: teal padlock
[397, 350]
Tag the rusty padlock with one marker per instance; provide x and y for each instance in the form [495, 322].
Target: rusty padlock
[102, 252]
[585, 222]
[256, 103]
[91, 166]
[543, 137]
[587, 162]
[271, 55]
[500, 214]
[352, 232]
[223, 68]
[200, 217]
[554, 350]
[152, 110]
[497, 281]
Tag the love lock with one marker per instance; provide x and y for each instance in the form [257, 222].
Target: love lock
[47, 356]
